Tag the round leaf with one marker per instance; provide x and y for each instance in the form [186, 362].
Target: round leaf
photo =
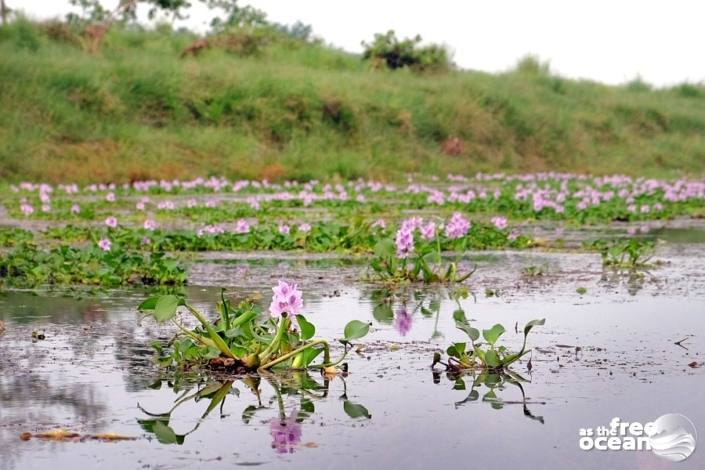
[165, 308]
[356, 329]
[307, 328]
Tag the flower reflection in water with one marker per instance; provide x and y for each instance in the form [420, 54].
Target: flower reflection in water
[286, 433]
[403, 321]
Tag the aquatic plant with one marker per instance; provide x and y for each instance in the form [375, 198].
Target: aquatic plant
[625, 254]
[29, 266]
[240, 340]
[487, 355]
[419, 258]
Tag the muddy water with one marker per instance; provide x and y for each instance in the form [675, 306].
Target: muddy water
[608, 352]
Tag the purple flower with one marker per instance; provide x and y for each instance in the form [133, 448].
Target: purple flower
[379, 223]
[75, 208]
[428, 230]
[110, 197]
[242, 226]
[304, 227]
[287, 298]
[457, 226]
[286, 433]
[150, 224]
[105, 244]
[499, 222]
[404, 241]
[284, 229]
[26, 209]
[403, 321]
[111, 222]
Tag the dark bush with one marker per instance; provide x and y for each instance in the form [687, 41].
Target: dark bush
[387, 49]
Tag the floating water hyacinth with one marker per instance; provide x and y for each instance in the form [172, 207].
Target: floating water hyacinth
[150, 224]
[304, 228]
[284, 229]
[75, 208]
[241, 342]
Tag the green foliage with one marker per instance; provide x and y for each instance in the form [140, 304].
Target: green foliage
[388, 50]
[487, 356]
[625, 254]
[309, 111]
[28, 266]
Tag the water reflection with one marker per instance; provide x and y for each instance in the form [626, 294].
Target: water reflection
[490, 387]
[284, 401]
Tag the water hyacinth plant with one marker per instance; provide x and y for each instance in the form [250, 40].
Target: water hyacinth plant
[416, 252]
[625, 254]
[487, 356]
[241, 341]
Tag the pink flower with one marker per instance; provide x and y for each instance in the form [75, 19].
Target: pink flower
[242, 226]
[499, 222]
[105, 244]
[26, 209]
[111, 222]
[284, 229]
[110, 197]
[457, 226]
[75, 208]
[139, 206]
[287, 298]
[428, 230]
[379, 223]
[404, 241]
[304, 228]
[150, 224]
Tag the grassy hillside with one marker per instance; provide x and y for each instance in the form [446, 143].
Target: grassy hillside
[137, 110]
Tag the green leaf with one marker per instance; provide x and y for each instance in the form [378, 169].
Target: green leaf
[456, 350]
[385, 248]
[493, 334]
[309, 355]
[356, 329]
[307, 328]
[532, 324]
[492, 359]
[356, 411]
[462, 323]
[148, 304]
[164, 433]
[165, 308]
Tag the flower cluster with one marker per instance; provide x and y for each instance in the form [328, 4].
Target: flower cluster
[287, 299]
[458, 226]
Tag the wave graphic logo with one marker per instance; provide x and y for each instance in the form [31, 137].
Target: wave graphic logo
[673, 437]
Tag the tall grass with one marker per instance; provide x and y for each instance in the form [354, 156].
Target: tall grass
[304, 110]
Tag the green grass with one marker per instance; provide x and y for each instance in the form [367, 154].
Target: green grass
[296, 110]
